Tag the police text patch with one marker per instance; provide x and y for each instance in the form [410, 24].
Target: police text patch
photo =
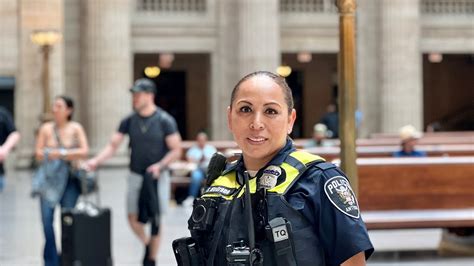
[220, 190]
[340, 193]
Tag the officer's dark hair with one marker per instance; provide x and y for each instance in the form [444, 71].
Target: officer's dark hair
[69, 104]
[276, 78]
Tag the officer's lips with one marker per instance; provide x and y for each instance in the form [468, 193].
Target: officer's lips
[256, 140]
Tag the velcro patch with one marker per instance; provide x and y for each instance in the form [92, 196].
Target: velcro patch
[340, 193]
[225, 191]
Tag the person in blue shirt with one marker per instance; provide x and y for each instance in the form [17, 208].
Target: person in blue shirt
[304, 209]
[199, 154]
[409, 137]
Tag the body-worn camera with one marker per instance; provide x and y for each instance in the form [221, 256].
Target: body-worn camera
[203, 216]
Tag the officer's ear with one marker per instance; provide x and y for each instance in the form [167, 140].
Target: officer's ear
[229, 124]
[291, 120]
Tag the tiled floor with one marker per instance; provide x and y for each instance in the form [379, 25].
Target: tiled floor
[21, 236]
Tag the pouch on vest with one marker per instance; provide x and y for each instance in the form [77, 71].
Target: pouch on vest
[186, 252]
[279, 233]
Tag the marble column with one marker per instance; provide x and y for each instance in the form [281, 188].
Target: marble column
[9, 38]
[36, 15]
[106, 67]
[259, 35]
[368, 90]
[248, 33]
[72, 56]
[399, 62]
[224, 68]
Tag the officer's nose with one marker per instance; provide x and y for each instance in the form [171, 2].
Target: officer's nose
[257, 123]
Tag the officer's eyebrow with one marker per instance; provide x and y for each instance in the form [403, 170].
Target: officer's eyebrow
[244, 102]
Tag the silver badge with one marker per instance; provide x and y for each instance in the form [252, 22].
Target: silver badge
[269, 177]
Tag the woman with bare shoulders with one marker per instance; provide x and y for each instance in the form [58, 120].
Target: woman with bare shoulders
[64, 141]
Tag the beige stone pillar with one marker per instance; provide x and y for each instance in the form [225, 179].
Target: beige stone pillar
[259, 35]
[9, 38]
[368, 89]
[106, 67]
[224, 67]
[36, 15]
[72, 56]
[248, 39]
[400, 65]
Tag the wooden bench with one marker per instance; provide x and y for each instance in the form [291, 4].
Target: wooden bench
[386, 139]
[331, 153]
[399, 193]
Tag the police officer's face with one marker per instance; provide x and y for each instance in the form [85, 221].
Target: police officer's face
[259, 120]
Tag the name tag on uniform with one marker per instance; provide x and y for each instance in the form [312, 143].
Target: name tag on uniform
[280, 233]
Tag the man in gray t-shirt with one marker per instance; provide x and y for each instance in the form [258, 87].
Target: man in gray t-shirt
[154, 143]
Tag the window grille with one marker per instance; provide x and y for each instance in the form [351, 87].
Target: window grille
[447, 7]
[308, 6]
[168, 6]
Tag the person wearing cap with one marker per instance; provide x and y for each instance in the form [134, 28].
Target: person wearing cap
[320, 133]
[409, 137]
[154, 143]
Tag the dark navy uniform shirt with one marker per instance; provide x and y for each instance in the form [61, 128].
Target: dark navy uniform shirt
[340, 229]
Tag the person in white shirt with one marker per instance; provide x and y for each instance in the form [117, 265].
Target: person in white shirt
[200, 154]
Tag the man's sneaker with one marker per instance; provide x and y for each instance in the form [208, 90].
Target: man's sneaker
[149, 263]
[147, 253]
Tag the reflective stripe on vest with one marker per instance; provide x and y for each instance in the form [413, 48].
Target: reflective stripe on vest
[294, 164]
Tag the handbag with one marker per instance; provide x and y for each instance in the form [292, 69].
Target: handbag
[87, 180]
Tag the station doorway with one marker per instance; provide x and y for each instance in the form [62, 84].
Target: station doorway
[312, 82]
[448, 92]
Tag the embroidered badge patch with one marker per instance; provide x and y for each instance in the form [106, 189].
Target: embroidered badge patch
[269, 177]
[340, 193]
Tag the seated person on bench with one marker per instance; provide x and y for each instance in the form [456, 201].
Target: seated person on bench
[409, 137]
[200, 154]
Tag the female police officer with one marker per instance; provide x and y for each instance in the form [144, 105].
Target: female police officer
[304, 211]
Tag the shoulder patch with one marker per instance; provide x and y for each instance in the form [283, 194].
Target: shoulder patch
[340, 194]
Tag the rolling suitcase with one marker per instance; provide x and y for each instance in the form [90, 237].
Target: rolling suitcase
[86, 235]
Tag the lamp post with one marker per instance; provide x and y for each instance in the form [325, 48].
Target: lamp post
[347, 89]
[45, 39]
